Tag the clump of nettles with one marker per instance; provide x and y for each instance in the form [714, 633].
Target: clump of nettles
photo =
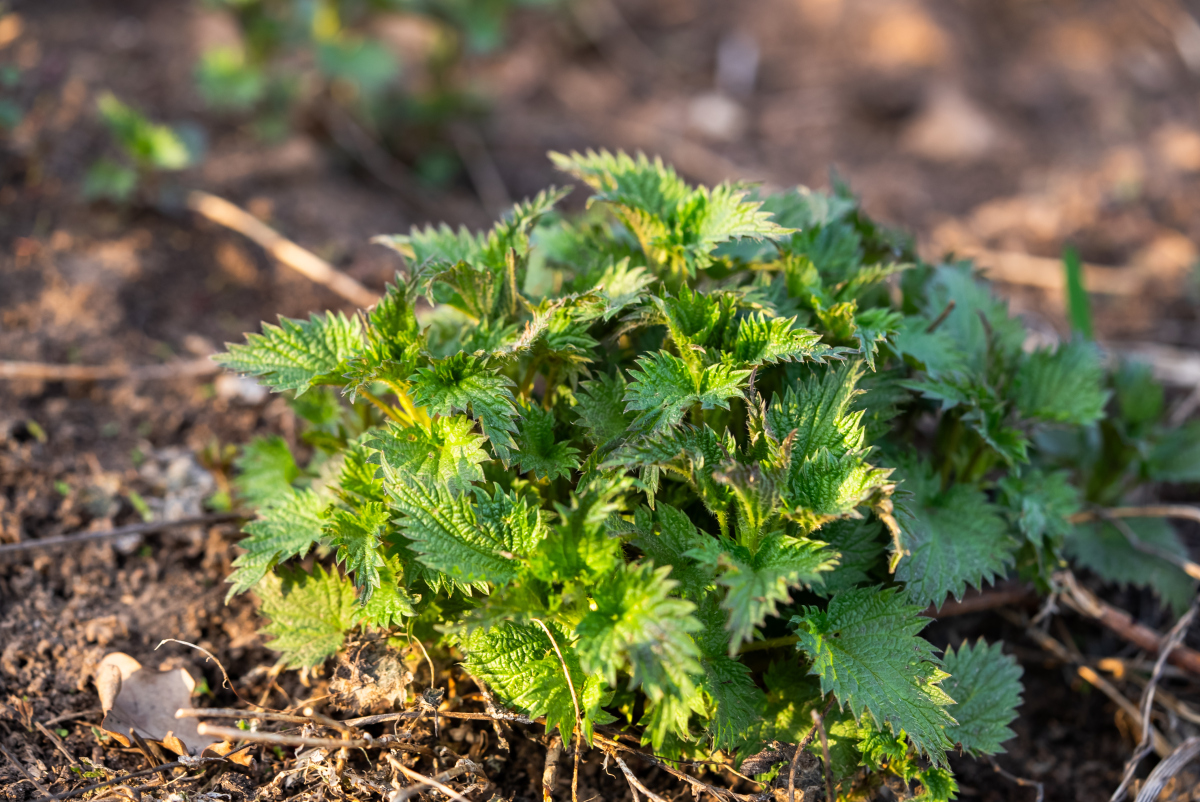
[711, 452]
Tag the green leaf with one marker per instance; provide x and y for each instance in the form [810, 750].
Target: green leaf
[358, 536]
[368, 65]
[664, 389]
[539, 451]
[1079, 307]
[266, 471]
[825, 473]
[667, 536]
[949, 539]
[225, 80]
[296, 354]
[939, 785]
[579, 546]
[677, 226]
[286, 529]
[934, 352]
[694, 453]
[475, 544]
[977, 341]
[623, 285]
[460, 383]
[600, 408]
[986, 684]
[1065, 385]
[1039, 503]
[866, 651]
[520, 665]
[309, 614]
[637, 626]
[739, 701]
[1176, 455]
[390, 604]
[859, 545]
[147, 143]
[757, 583]
[816, 414]
[766, 341]
[1102, 548]
[446, 452]
[107, 180]
[360, 478]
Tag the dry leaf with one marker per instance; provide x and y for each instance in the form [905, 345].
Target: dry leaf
[137, 698]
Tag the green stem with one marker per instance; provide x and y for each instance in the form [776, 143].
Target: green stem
[406, 403]
[723, 522]
[551, 378]
[769, 643]
[527, 380]
[377, 401]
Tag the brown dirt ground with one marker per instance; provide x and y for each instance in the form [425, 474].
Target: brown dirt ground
[990, 129]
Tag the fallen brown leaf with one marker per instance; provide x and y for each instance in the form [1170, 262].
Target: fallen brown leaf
[133, 697]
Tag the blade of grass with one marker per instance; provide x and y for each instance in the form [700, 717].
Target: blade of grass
[1079, 309]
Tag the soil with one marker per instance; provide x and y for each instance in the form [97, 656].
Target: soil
[989, 129]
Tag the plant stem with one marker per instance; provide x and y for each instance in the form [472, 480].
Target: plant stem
[551, 378]
[769, 643]
[377, 401]
[406, 403]
[527, 379]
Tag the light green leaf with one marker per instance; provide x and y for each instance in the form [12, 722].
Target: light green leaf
[446, 452]
[266, 470]
[297, 354]
[766, 341]
[520, 665]
[390, 603]
[539, 451]
[460, 383]
[309, 614]
[664, 389]
[475, 544]
[358, 536]
[757, 583]
[637, 626]
[286, 529]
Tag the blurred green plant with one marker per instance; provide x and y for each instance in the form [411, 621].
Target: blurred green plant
[146, 149]
[297, 56]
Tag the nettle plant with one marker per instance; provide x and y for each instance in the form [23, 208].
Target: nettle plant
[711, 453]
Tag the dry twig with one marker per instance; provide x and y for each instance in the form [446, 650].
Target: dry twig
[800, 747]
[234, 734]
[305, 262]
[1185, 753]
[424, 782]
[1084, 602]
[46, 371]
[819, 726]
[21, 768]
[1086, 673]
[633, 781]
[1041, 789]
[191, 762]
[121, 531]
[1174, 638]
[1185, 511]
[230, 712]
